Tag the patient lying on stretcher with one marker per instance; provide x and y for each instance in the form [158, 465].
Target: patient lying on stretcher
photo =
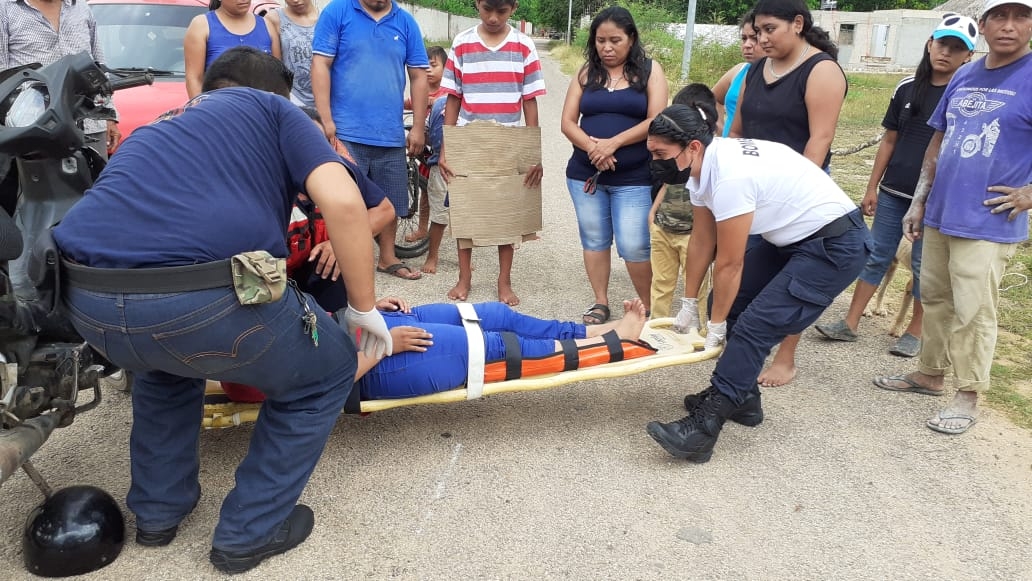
[431, 348]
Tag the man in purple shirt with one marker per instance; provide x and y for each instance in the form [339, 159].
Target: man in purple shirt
[971, 208]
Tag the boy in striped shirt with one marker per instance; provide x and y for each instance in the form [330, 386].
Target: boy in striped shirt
[493, 73]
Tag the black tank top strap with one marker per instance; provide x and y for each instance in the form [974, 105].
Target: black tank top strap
[777, 111]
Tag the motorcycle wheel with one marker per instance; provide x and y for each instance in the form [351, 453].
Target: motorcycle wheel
[402, 247]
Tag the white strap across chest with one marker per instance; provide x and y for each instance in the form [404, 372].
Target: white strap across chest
[475, 338]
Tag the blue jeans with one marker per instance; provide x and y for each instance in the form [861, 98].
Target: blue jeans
[783, 291]
[173, 342]
[620, 212]
[887, 231]
[445, 364]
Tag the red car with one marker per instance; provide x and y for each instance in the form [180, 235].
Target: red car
[148, 34]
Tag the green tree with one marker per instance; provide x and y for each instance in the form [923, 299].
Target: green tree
[553, 13]
[719, 11]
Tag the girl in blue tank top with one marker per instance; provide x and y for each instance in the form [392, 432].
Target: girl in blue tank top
[729, 88]
[227, 24]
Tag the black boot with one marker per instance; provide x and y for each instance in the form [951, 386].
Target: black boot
[750, 413]
[290, 534]
[694, 436]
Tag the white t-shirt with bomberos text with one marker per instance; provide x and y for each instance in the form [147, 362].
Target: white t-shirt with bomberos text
[789, 196]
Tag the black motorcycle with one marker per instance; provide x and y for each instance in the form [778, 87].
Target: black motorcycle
[44, 364]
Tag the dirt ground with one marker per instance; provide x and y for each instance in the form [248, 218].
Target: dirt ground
[842, 481]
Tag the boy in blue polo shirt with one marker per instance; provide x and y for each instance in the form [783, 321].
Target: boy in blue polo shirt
[361, 51]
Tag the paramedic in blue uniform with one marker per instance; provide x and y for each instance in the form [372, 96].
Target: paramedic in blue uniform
[814, 243]
[241, 155]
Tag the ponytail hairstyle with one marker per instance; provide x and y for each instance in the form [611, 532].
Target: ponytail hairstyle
[634, 67]
[214, 5]
[683, 124]
[787, 10]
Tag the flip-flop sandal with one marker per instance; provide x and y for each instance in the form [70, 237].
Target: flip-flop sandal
[596, 314]
[394, 268]
[945, 415]
[907, 346]
[912, 386]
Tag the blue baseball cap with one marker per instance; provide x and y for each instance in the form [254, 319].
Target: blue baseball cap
[958, 26]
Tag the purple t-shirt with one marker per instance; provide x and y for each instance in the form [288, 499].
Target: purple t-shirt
[986, 115]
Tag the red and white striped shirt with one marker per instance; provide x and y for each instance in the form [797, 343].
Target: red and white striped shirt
[493, 82]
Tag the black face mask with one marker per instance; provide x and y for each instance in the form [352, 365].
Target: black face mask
[665, 170]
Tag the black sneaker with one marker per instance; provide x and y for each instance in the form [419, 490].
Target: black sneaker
[750, 413]
[156, 538]
[694, 436]
[290, 534]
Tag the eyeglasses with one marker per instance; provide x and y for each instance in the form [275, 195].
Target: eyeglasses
[592, 183]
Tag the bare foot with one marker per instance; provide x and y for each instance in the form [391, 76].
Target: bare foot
[776, 375]
[506, 295]
[430, 266]
[460, 291]
[956, 418]
[629, 327]
[416, 236]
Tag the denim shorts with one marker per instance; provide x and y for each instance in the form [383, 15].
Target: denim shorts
[614, 212]
[388, 168]
[887, 231]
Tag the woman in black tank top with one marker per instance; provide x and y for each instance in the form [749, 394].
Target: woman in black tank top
[792, 96]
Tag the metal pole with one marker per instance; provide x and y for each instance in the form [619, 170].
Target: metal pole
[569, 22]
[689, 33]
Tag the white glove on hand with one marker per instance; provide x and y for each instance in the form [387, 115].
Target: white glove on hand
[716, 333]
[376, 339]
[688, 317]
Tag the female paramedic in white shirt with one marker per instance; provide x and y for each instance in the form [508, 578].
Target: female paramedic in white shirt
[814, 244]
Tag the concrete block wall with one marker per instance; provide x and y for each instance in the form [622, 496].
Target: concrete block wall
[439, 26]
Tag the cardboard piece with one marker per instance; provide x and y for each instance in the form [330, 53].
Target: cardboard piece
[488, 203]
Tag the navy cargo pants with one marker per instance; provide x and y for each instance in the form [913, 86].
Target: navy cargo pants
[783, 291]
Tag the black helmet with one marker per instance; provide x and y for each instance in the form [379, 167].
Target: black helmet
[77, 530]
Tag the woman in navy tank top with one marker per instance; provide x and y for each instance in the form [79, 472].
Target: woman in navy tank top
[792, 96]
[606, 117]
[227, 24]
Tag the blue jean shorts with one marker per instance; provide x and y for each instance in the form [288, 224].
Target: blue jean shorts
[614, 212]
[388, 168]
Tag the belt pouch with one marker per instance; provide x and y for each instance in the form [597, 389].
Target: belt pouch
[258, 277]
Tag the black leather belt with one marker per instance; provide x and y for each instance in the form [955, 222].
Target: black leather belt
[837, 227]
[170, 279]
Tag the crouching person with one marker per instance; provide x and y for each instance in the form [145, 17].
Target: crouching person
[147, 262]
[813, 244]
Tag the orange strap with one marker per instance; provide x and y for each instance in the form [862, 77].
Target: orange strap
[614, 349]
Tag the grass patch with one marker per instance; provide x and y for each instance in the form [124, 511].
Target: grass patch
[1011, 388]
[860, 120]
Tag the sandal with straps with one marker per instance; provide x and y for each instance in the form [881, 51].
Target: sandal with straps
[596, 314]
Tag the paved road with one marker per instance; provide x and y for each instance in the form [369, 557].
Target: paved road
[842, 481]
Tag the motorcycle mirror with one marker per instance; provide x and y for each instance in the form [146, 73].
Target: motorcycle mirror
[28, 104]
